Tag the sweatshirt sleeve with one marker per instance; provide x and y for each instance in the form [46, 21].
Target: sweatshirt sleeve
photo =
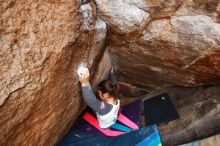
[101, 107]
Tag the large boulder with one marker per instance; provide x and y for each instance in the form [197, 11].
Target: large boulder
[182, 51]
[42, 44]
[179, 46]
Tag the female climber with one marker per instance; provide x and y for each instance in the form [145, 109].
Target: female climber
[107, 108]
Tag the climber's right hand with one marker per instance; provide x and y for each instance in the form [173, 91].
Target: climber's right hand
[83, 73]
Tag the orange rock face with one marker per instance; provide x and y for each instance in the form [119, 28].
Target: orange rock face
[42, 44]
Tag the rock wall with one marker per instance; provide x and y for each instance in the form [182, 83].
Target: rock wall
[152, 44]
[199, 109]
[163, 43]
[211, 141]
[42, 44]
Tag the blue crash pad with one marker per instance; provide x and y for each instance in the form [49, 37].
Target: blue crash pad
[148, 136]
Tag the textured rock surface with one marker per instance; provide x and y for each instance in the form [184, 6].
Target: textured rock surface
[199, 109]
[121, 16]
[42, 43]
[174, 48]
[157, 8]
[210, 8]
[211, 141]
[152, 44]
[103, 69]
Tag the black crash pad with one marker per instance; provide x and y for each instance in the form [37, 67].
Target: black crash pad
[159, 109]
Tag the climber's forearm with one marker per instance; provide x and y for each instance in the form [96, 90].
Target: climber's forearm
[90, 98]
[88, 95]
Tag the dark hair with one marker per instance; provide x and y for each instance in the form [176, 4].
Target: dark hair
[107, 86]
